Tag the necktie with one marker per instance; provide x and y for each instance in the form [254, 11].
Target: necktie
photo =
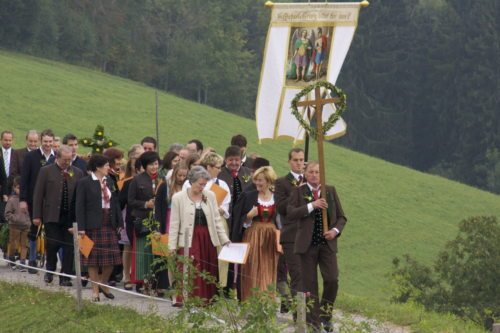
[301, 178]
[6, 161]
[234, 173]
[315, 193]
[105, 193]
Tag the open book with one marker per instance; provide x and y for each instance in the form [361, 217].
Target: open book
[235, 252]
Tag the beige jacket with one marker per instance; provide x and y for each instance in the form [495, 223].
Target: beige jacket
[182, 217]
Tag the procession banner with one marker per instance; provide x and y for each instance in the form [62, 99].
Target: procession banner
[306, 42]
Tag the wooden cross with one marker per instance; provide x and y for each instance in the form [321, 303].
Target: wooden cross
[318, 104]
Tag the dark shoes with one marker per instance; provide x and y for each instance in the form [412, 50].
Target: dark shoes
[284, 307]
[65, 283]
[48, 278]
[106, 294]
[31, 270]
[327, 326]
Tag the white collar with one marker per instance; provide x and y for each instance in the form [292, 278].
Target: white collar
[296, 175]
[94, 177]
[43, 153]
[312, 188]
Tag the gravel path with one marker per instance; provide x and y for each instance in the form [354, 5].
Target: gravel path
[147, 305]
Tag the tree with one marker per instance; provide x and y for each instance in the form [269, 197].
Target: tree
[465, 277]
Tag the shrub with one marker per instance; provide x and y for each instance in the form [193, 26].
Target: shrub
[465, 277]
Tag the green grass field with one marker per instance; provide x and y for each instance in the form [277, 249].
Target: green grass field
[28, 309]
[391, 209]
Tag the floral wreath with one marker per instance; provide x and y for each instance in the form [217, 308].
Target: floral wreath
[98, 142]
[334, 117]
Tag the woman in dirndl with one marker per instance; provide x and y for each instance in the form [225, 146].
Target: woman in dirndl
[195, 209]
[99, 217]
[141, 199]
[255, 223]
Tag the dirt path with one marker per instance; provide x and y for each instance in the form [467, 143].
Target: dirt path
[148, 305]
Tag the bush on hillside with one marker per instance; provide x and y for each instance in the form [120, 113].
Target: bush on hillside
[465, 278]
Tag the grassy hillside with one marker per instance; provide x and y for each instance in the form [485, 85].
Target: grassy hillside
[392, 210]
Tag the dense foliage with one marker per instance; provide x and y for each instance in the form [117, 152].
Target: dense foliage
[465, 276]
[422, 76]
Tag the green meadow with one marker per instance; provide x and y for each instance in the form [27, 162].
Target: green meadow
[391, 210]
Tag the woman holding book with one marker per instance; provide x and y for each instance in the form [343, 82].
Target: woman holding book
[99, 217]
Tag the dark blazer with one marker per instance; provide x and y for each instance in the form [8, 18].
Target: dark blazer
[283, 187]
[248, 162]
[161, 206]
[32, 164]
[140, 191]
[8, 182]
[81, 164]
[298, 213]
[3, 179]
[245, 203]
[48, 193]
[88, 205]
[17, 159]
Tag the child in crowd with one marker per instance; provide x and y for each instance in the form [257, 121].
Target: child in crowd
[19, 224]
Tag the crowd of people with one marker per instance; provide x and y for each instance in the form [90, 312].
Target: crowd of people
[117, 202]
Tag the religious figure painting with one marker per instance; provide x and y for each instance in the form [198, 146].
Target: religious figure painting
[308, 55]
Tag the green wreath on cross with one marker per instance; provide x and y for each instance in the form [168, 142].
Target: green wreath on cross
[99, 142]
[334, 117]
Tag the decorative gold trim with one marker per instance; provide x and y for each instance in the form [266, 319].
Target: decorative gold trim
[269, 4]
[278, 116]
[363, 3]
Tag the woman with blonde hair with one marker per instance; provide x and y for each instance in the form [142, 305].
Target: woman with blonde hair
[254, 222]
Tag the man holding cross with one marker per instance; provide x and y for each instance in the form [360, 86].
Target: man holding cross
[316, 245]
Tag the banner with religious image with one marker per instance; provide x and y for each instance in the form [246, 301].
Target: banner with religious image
[306, 42]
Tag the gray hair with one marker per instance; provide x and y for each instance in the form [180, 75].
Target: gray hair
[30, 132]
[175, 147]
[196, 173]
[63, 149]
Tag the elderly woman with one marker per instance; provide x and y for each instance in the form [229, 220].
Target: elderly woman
[98, 215]
[254, 222]
[196, 210]
[141, 201]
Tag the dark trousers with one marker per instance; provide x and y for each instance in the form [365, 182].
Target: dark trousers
[292, 261]
[57, 237]
[323, 256]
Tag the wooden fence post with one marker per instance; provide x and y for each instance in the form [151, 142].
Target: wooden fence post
[301, 313]
[77, 268]
[185, 265]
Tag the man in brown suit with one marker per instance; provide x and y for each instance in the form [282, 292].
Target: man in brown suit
[316, 246]
[32, 142]
[53, 205]
[284, 187]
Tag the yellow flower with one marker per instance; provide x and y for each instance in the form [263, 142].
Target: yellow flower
[85, 141]
[99, 133]
[97, 149]
[110, 144]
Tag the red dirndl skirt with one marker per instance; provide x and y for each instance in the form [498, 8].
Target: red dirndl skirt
[106, 251]
[204, 255]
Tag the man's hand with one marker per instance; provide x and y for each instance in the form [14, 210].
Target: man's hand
[331, 234]
[320, 204]
[37, 222]
[5, 198]
[150, 203]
